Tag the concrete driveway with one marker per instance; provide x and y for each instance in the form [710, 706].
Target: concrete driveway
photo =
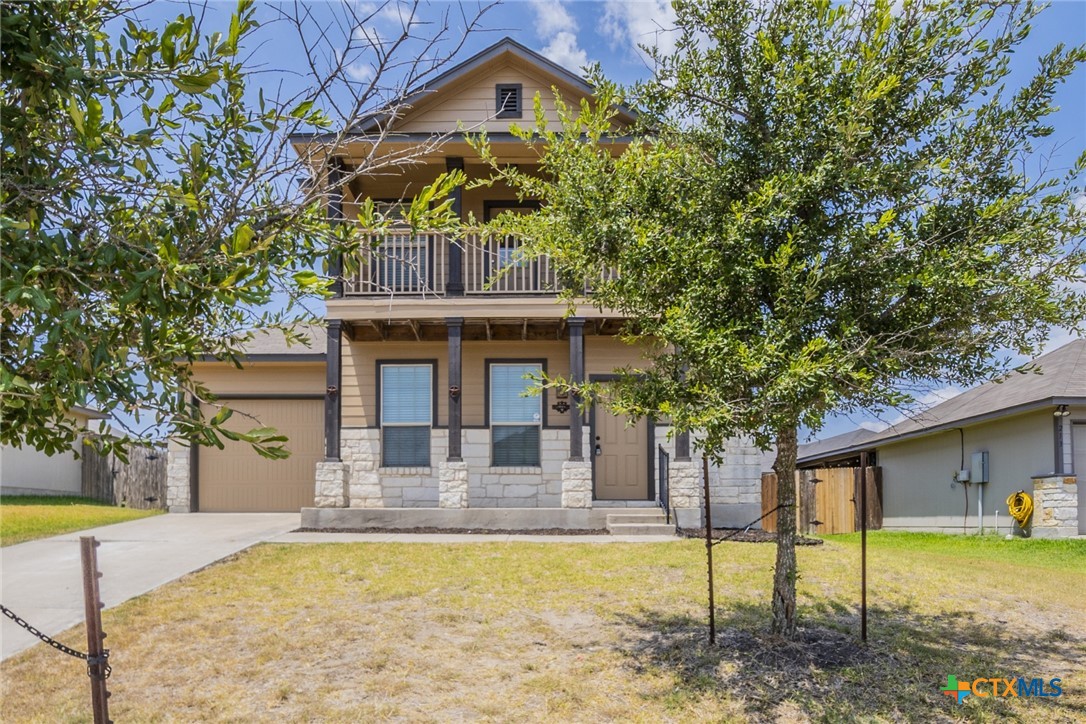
[42, 580]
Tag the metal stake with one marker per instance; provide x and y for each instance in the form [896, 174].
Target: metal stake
[863, 547]
[709, 545]
[92, 605]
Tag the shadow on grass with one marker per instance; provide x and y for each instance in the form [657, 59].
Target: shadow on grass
[828, 674]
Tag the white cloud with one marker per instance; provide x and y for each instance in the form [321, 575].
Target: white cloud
[874, 425]
[1080, 203]
[564, 51]
[630, 25]
[552, 18]
[558, 28]
[360, 71]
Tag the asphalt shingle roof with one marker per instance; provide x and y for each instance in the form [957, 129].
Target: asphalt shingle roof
[1058, 375]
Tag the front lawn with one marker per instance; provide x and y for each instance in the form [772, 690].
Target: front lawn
[26, 517]
[581, 632]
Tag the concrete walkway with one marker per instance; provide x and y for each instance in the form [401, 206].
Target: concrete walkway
[42, 580]
[465, 538]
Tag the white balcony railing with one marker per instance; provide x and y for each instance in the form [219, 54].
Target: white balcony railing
[402, 263]
[418, 265]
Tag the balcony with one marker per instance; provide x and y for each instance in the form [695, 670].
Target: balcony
[420, 265]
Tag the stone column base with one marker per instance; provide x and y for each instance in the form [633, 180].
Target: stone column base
[178, 479]
[684, 487]
[331, 489]
[576, 484]
[452, 484]
[365, 489]
[1055, 506]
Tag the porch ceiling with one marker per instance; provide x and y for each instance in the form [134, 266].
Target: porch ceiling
[474, 330]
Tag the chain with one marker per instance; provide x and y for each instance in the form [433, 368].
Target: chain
[744, 529]
[92, 661]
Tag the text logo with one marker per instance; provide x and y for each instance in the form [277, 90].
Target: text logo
[1000, 687]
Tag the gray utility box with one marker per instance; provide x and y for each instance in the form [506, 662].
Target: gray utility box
[978, 472]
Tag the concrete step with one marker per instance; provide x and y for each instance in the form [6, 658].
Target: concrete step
[641, 529]
[646, 517]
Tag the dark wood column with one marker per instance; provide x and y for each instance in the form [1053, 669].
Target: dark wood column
[335, 213]
[682, 439]
[576, 376]
[454, 287]
[333, 400]
[455, 327]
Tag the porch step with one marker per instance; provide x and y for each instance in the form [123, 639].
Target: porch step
[647, 523]
[642, 529]
[646, 517]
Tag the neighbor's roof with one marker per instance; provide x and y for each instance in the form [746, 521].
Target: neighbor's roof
[506, 46]
[1056, 378]
[271, 345]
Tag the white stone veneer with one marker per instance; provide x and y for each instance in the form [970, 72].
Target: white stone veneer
[1055, 506]
[178, 478]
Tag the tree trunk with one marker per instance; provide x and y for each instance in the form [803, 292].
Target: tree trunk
[784, 576]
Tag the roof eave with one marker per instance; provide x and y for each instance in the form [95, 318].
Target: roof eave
[942, 427]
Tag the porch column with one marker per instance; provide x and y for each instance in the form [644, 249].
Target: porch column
[576, 472]
[452, 473]
[576, 376]
[332, 475]
[454, 325]
[335, 213]
[682, 439]
[454, 287]
[332, 399]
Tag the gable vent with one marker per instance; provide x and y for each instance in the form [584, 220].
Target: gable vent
[508, 100]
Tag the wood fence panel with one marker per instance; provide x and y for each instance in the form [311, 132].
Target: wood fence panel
[874, 498]
[769, 501]
[827, 500]
[833, 500]
[96, 473]
[141, 483]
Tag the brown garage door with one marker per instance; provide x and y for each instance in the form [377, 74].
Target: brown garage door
[237, 479]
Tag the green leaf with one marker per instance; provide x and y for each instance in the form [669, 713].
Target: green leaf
[196, 83]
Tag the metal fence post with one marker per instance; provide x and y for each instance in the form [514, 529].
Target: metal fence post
[97, 666]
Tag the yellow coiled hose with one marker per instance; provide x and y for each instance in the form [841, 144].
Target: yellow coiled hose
[1020, 506]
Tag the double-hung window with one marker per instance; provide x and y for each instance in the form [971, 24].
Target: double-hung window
[406, 414]
[515, 419]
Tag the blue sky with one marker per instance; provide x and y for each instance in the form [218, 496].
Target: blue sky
[609, 31]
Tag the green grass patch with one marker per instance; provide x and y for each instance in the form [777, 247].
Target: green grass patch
[1067, 555]
[28, 517]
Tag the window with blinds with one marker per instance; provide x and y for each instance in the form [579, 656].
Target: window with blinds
[406, 414]
[515, 420]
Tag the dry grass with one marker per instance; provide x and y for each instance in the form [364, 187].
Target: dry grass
[548, 632]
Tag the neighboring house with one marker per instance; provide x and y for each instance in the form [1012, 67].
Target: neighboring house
[1032, 426]
[410, 410]
[27, 471]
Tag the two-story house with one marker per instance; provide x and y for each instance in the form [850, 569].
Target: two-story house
[410, 411]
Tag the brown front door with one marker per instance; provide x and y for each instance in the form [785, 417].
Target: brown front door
[621, 467]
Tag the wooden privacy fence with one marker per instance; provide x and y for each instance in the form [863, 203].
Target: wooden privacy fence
[140, 483]
[827, 500]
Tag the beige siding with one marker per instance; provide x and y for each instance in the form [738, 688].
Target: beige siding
[602, 355]
[472, 103]
[257, 378]
[918, 487]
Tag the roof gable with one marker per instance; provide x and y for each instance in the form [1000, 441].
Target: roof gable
[465, 94]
